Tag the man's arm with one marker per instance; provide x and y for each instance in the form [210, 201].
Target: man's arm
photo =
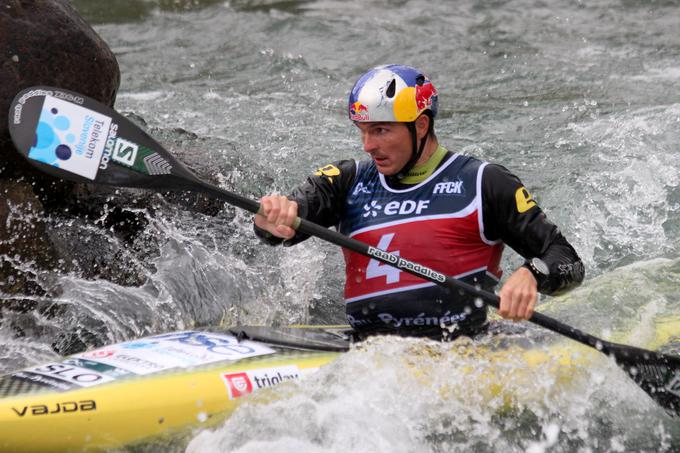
[512, 215]
[320, 200]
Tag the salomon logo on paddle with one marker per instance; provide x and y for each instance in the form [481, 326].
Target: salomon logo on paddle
[57, 408]
[108, 148]
[125, 152]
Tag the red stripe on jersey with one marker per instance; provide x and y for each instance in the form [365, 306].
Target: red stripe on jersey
[452, 246]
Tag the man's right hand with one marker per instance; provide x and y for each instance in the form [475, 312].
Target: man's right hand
[278, 215]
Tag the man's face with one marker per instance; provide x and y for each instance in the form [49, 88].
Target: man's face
[388, 144]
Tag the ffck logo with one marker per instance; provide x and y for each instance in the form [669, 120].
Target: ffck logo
[451, 187]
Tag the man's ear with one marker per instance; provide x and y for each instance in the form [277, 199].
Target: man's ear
[422, 125]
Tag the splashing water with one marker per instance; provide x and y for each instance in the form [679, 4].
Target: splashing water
[579, 99]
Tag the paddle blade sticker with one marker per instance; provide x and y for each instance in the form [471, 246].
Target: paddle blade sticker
[70, 137]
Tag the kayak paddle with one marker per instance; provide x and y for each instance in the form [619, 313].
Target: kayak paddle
[73, 137]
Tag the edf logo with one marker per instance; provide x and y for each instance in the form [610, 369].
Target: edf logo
[396, 208]
[452, 187]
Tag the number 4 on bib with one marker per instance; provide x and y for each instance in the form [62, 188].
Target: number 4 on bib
[377, 269]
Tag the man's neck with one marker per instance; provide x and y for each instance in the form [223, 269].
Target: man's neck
[426, 165]
[431, 147]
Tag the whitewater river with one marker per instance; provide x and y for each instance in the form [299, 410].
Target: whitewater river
[581, 99]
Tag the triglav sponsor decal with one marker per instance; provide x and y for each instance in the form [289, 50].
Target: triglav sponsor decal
[244, 382]
[238, 384]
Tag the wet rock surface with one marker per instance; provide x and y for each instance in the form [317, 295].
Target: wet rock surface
[46, 42]
[41, 43]
[54, 232]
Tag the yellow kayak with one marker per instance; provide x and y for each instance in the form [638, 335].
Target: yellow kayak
[163, 385]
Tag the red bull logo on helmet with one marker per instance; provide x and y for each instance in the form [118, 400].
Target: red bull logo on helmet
[358, 112]
[424, 95]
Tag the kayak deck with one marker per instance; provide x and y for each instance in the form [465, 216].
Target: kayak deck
[112, 396]
[162, 386]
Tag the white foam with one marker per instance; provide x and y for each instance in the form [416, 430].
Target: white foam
[146, 96]
[622, 188]
[405, 395]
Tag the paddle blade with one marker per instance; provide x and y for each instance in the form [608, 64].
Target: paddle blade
[657, 374]
[76, 138]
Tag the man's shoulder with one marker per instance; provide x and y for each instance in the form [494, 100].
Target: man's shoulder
[494, 171]
[339, 170]
[335, 168]
[458, 162]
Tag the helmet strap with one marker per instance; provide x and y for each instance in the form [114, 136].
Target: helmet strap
[417, 150]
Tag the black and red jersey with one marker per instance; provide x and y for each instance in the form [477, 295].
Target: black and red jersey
[456, 222]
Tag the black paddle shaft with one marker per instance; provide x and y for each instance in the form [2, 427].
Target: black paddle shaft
[70, 136]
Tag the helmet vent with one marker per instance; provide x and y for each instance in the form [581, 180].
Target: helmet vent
[420, 80]
[391, 89]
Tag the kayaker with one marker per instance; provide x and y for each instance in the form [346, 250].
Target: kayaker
[414, 198]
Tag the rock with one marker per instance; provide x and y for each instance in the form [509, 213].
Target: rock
[46, 42]
[42, 42]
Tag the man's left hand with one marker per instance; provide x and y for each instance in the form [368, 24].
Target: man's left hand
[518, 295]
